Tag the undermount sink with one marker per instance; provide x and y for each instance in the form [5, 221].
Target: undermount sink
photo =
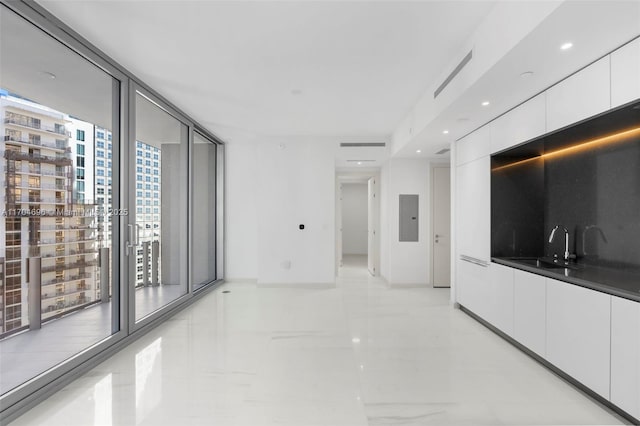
[546, 262]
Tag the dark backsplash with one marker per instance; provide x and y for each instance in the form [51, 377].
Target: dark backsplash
[594, 192]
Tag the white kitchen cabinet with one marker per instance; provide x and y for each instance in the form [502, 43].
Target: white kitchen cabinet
[521, 124]
[529, 307]
[625, 74]
[500, 296]
[472, 287]
[473, 146]
[579, 333]
[473, 216]
[625, 355]
[582, 95]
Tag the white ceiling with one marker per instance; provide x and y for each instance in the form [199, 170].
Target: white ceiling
[345, 71]
[282, 67]
[594, 27]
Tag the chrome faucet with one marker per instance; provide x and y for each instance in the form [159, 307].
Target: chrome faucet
[552, 236]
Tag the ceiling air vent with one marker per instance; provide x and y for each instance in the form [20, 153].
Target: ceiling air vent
[361, 144]
[443, 151]
[453, 74]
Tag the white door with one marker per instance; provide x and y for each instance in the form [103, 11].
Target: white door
[441, 229]
[338, 226]
[372, 227]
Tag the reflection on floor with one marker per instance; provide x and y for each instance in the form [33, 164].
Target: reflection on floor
[361, 353]
[150, 299]
[30, 353]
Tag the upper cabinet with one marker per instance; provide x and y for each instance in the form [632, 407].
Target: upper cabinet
[625, 74]
[473, 146]
[582, 95]
[521, 124]
[473, 196]
[473, 212]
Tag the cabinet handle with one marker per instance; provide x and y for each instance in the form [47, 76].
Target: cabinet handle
[474, 260]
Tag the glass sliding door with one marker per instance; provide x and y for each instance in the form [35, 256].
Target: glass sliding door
[157, 229]
[59, 132]
[204, 168]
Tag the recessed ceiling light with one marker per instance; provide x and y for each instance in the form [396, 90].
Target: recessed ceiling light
[526, 74]
[359, 162]
[485, 103]
[418, 151]
[567, 45]
[51, 75]
[446, 132]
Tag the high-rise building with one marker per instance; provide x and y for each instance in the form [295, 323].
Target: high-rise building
[45, 213]
[148, 190]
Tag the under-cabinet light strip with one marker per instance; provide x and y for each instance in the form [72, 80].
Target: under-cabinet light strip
[617, 137]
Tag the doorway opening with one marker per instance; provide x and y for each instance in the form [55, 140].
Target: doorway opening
[357, 224]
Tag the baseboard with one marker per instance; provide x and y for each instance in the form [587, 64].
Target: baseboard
[297, 285]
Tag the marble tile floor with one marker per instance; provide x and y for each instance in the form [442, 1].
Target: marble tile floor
[358, 354]
[25, 355]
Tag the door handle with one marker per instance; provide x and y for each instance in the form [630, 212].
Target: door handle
[134, 237]
[137, 243]
[131, 240]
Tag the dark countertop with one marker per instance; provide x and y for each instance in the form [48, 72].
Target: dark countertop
[619, 282]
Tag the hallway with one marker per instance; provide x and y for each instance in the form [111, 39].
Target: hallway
[361, 353]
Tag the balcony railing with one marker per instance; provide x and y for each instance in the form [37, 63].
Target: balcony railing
[62, 160]
[37, 170]
[53, 292]
[66, 253]
[36, 142]
[68, 305]
[59, 130]
[67, 266]
[67, 240]
[75, 228]
[39, 200]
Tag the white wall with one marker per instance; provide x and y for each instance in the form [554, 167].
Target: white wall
[405, 262]
[354, 218]
[273, 186]
[241, 228]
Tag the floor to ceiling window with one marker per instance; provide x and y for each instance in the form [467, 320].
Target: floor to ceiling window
[101, 209]
[56, 123]
[160, 186]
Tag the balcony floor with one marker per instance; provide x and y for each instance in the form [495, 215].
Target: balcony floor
[28, 354]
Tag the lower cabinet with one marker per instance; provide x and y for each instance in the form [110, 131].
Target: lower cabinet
[625, 355]
[591, 336]
[529, 308]
[578, 337]
[500, 295]
[472, 286]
